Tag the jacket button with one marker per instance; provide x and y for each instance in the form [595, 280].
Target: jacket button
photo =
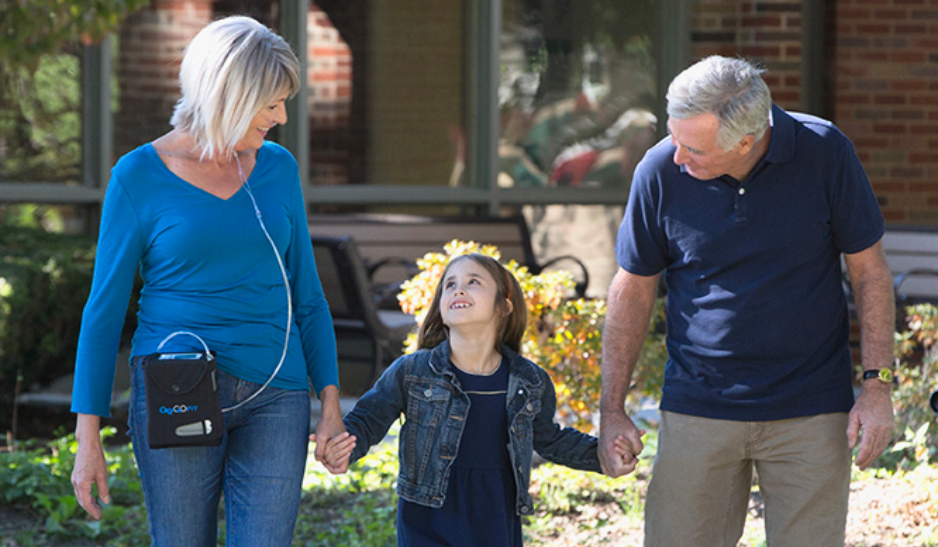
[428, 392]
[530, 407]
[525, 510]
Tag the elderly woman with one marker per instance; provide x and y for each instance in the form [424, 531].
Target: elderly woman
[214, 217]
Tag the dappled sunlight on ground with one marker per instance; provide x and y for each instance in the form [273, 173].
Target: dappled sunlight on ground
[898, 510]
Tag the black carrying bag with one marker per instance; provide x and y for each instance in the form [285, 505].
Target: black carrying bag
[182, 400]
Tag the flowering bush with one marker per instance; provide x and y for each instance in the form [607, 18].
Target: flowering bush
[564, 336]
[918, 378]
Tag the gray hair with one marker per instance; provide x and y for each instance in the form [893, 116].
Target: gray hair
[232, 69]
[730, 89]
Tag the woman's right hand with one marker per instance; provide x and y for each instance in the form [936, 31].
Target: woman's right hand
[90, 465]
[336, 452]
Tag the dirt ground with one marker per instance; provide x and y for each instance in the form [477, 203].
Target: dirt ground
[884, 512]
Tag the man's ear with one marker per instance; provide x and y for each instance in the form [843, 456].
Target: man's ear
[745, 144]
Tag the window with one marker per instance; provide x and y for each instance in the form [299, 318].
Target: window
[577, 99]
[577, 92]
[387, 93]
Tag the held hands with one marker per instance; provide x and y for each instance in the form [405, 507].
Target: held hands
[623, 461]
[330, 427]
[335, 452]
[620, 445]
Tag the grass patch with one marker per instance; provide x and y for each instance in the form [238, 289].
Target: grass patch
[357, 509]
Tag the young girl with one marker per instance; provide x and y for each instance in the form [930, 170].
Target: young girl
[475, 412]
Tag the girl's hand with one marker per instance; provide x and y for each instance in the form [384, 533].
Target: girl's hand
[623, 451]
[336, 452]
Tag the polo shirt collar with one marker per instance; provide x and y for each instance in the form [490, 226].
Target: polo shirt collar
[782, 143]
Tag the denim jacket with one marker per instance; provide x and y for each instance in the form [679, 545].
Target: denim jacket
[424, 387]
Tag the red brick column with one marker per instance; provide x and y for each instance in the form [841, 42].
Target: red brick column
[330, 99]
[886, 100]
[151, 46]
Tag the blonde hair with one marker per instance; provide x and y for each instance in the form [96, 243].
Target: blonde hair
[512, 322]
[232, 69]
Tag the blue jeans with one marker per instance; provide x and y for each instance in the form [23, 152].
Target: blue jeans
[259, 466]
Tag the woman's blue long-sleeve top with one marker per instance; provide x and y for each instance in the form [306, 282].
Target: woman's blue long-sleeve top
[425, 389]
[208, 268]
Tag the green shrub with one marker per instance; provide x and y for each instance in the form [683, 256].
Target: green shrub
[40, 120]
[45, 279]
[918, 379]
[357, 509]
[37, 477]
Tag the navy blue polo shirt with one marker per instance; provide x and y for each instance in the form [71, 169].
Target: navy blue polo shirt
[756, 314]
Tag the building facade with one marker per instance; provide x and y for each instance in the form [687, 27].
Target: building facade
[539, 107]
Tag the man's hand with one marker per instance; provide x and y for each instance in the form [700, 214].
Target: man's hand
[90, 466]
[871, 414]
[876, 311]
[630, 302]
[620, 444]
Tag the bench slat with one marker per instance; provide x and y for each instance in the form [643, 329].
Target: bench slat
[911, 242]
[910, 249]
[410, 237]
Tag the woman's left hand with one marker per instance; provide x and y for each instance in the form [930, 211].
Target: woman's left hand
[330, 424]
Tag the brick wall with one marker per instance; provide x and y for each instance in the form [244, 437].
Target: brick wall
[769, 32]
[151, 46]
[883, 71]
[330, 100]
[886, 100]
[152, 43]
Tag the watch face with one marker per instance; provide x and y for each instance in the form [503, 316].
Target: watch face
[885, 375]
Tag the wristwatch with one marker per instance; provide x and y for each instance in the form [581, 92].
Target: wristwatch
[884, 375]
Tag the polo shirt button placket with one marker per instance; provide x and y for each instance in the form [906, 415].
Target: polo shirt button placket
[740, 209]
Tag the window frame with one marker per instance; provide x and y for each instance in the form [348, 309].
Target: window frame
[482, 194]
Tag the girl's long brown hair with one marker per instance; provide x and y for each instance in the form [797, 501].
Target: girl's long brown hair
[512, 323]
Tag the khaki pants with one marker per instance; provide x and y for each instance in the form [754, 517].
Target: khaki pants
[700, 484]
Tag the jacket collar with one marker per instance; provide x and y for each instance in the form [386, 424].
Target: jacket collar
[441, 363]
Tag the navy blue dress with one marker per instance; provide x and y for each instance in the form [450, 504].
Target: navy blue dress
[479, 509]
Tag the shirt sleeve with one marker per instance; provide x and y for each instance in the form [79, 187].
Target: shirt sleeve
[856, 219]
[641, 246]
[120, 247]
[310, 309]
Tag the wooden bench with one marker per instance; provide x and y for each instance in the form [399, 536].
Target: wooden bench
[390, 244]
[912, 254]
[368, 339]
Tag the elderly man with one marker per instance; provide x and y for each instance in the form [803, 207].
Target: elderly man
[747, 209]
